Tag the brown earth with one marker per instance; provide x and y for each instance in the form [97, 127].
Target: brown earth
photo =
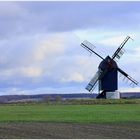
[45, 130]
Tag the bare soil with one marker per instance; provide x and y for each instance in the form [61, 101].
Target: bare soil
[44, 130]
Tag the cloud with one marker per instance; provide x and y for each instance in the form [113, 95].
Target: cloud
[49, 47]
[136, 89]
[14, 10]
[34, 17]
[49, 61]
[44, 60]
[40, 43]
[31, 71]
[113, 41]
[73, 77]
[11, 16]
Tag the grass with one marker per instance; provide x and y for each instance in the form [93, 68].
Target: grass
[100, 101]
[70, 113]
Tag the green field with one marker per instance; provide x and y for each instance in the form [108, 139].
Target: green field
[92, 119]
[70, 113]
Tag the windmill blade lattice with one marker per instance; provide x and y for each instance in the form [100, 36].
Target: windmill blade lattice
[89, 47]
[93, 81]
[91, 85]
[120, 51]
[127, 76]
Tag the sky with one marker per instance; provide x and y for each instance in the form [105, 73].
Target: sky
[40, 44]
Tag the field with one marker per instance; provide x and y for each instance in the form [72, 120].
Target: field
[41, 120]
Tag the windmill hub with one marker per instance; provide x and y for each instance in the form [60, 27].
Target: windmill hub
[108, 64]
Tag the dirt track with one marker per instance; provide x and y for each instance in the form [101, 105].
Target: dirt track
[68, 130]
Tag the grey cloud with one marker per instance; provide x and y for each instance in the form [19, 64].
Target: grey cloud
[65, 16]
[22, 29]
[33, 17]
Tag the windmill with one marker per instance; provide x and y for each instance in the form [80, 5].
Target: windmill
[107, 75]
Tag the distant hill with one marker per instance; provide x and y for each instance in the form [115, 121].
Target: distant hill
[130, 95]
[40, 97]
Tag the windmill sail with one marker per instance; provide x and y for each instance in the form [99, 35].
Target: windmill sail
[89, 47]
[99, 74]
[93, 82]
[128, 77]
[120, 51]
